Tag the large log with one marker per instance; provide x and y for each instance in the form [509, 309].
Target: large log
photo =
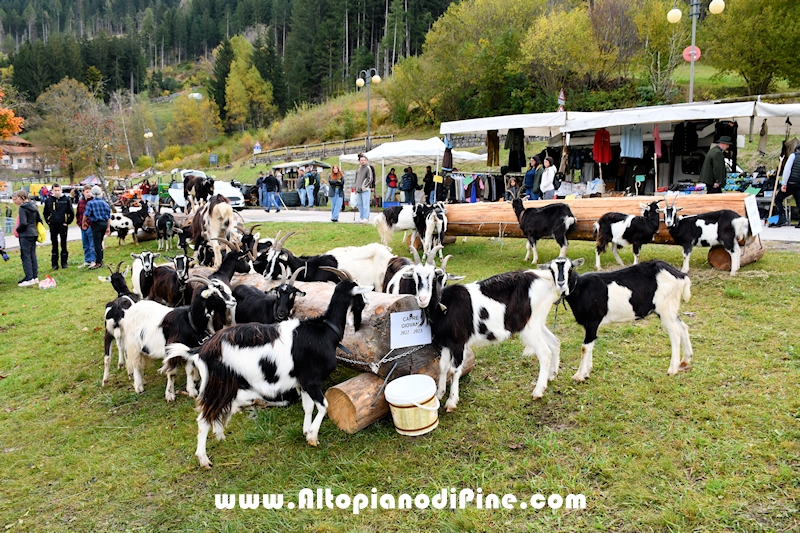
[721, 260]
[350, 403]
[370, 344]
[497, 219]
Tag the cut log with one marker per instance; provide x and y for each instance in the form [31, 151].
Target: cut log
[370, 344]
[350, 402]
[497, 219]
[721, 260]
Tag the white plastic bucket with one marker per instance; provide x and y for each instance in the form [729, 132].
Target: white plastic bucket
[412, 400]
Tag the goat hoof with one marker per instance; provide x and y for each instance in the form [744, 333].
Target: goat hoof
[579, 377]
[204, 462]
[450, 406]
[537, 394]
[170, 397]
[685, 365]
[313, 442]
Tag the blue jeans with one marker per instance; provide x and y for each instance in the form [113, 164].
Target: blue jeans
[306, 195]
[363, 204]
[273, 200]
[531, 195]
[336, 205]
[390, 194]
[88, 245]
[262, 196]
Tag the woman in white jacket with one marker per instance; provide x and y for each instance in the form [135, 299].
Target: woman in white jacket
[548, 190]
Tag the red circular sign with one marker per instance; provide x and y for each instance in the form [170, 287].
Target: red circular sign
[687, 53]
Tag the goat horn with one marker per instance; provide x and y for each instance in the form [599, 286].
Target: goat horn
[112, 272]
[343, 274]
[417, 260]
[254, 227]
[295, 274]
[444, 262]
[233, 246]
[199, 279]
[278, 245]
[253, 253]
[432, 254]
[284, 274]
[119, 265]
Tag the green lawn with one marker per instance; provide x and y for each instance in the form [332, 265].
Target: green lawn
[712, 449]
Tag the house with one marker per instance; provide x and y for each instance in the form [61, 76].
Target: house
[19, 154]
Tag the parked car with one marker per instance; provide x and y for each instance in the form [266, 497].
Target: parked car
[177, 202]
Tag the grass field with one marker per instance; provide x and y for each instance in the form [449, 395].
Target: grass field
[713, 449]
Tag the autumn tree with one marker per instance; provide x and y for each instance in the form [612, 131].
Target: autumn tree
[662, 45]
[193, 121]
[757, 39]
[9, 123]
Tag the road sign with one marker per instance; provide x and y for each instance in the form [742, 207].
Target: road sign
[687, 53]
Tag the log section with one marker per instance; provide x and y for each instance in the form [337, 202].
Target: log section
[350, 402]
[496, 219]
[721, 260]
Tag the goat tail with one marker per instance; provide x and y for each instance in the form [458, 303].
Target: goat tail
[570, 221]
[174, 352]
[687, 289]
[596, 228]
[741, 227]
[383, 228]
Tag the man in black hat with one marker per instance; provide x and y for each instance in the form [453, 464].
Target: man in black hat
[713, 171]
[790, 182]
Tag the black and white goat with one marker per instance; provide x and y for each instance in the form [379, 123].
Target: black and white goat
[490, 311]
[267, 307]
[170, 285]
[399, 217]
[128, 221]
[539, 222]
[142, 273]
[435, 227]
[625, 295]
[165, 230]
[724, 227]
[620, 230]
[248, 364]
[148, 327]
[366, 264]
[114, 312]
[416, 277]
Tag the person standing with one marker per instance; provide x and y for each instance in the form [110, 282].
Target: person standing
[27, 233]
[713, 171]
[530, 178]
[312, 185]
[428, 185]
[262, 191]
[58, 214]
[301, 185]
[336, 183]
[99, 213]
[391, 186]
[271, 186]
[365, 181]
[548, 179]
[407, 185]
[790, 181]
[86, 228]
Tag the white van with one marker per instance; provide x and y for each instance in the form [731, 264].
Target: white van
[220, 187]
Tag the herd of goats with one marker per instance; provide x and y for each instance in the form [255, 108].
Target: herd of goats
[244, 346]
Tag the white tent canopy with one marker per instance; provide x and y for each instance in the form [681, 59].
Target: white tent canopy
[411, 153]
[538, 124]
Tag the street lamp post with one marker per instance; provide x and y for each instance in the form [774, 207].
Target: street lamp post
[368, 77]
[147, 136]
[674, 16]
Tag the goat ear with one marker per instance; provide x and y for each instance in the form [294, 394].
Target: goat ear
[407, 275]
[156, 255]
[361, 290]
[451, 277]
[134, 256]
[125, 272]
[578, 262]
[678, 209]
[300, 293]
[545, 266]
[104, 279]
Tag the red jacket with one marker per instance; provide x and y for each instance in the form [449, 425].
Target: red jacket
[602, 146]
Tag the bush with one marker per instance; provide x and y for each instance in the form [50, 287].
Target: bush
[144, 161]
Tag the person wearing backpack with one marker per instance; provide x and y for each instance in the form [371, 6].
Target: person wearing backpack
[407, 186]
[548, 179]
[27, 233]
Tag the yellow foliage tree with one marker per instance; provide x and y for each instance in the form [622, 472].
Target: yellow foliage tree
[237, 102]
[560, 47]
[193, 121]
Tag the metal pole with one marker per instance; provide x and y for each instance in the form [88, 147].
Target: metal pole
[695, 14]
[369, 143]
